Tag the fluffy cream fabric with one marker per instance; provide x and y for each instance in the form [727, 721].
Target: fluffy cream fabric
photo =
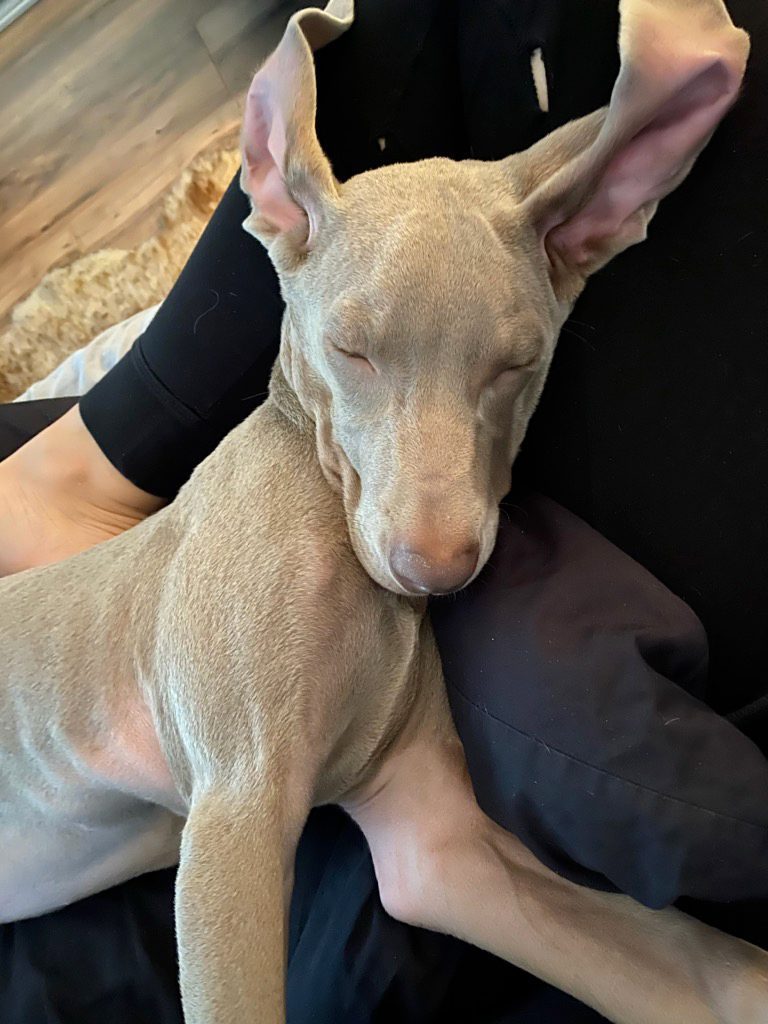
[73, 304]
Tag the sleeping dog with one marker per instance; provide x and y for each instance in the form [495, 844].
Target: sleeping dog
[189, 690]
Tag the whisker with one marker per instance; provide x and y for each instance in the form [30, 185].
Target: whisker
[567, 330]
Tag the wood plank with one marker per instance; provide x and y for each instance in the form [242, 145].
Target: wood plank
[239, 34]
[222, 25]
[104, 104]
[10, 10]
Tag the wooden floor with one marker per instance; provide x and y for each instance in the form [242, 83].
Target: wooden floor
[102, 104]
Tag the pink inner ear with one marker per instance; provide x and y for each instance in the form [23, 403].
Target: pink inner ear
[650, 164]
[264, 149]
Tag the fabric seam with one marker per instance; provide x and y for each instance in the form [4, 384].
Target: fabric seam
[602, 771]
[181, 412]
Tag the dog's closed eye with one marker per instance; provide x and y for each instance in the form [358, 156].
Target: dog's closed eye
[356, 359]
[507, 385]
[513, 372]
[510, 375]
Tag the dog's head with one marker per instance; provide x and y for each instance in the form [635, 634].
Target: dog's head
[423, 301]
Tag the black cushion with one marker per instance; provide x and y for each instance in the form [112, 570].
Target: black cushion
[573, 675]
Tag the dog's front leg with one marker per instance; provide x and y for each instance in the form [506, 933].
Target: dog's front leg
[442, 864]
[235, 873]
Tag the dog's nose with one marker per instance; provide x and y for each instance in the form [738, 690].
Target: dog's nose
[431, 568]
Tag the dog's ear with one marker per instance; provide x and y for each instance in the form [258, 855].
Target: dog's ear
[284, 170]
[592, 186]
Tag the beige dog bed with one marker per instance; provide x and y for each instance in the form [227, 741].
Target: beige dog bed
[73, 304]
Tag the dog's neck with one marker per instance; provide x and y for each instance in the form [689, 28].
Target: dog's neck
[287, 401]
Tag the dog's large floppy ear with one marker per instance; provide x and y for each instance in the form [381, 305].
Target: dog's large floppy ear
[593, 185]
[284, 171]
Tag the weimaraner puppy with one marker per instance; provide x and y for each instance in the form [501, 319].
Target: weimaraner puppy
[189, 690]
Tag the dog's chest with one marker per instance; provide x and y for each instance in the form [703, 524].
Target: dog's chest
[86, 801]
[126, 755]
